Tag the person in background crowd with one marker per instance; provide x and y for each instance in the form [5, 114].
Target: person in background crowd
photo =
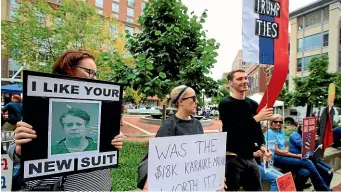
[182, 123]
[242, 124]
[81, 64]
[337, 136]
[14, 109]
[288, 161]
[295, 146]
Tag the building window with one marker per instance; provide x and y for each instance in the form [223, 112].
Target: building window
[130, 30]
[99, 3]
[299, 45]
[13, 68]
[130, 12]
[115, 15]
[299, 65]
[13, 5]
[143, 5]
[117, 0]
[130, 20]
[313, 42]
[325, 39]
[131, 3]
[115, 7]
[100, 11]
[326, 14]
[114, 31]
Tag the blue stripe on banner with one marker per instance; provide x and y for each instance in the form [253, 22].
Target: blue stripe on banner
[266, 45]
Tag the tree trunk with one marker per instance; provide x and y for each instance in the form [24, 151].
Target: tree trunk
[163, 113]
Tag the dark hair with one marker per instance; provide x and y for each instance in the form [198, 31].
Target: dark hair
[231, 74]
[77, 113]
[68, 60]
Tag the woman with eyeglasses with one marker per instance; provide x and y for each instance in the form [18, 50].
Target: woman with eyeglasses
[75, 63]
[182, 123]
[288, 161]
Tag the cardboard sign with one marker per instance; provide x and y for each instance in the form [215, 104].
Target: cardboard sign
[74, 119]
[286, 183]
[6, 172]
[308, 136]
[187, 163]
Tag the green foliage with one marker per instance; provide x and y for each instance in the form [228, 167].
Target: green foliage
[132, 96]
[33, 40]
[313, 89]
[172, 49]
[286, 97]
[124, 178]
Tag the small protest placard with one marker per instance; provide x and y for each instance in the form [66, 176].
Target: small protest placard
[6, 172]
[74, 119]
[187, 163]
[308, 136]
[286, 183]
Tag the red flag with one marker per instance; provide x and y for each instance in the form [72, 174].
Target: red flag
[328, 133]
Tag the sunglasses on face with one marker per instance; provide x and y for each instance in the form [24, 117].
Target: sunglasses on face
[276, 122]
[92, 73]
[193, 97]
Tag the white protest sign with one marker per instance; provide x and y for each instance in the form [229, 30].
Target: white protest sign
[52, 87]
[6, 172]
[187, 163]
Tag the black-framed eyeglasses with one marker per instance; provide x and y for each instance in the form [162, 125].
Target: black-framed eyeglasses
[92, 73]
[194, 97]
[276, 122]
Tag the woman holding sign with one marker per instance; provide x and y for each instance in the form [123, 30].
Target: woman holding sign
[288, 161]
[182, 123]
[75, 63]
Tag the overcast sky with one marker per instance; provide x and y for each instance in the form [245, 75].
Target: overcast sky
[224, 23]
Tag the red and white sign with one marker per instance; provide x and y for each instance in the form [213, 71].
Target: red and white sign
[308, 136]
[286, 183]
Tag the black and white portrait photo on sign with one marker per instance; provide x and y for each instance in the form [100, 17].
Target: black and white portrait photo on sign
[74, 126]
[75, 121]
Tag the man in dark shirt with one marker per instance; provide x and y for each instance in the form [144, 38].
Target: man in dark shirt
[14, 109]
[241, 122]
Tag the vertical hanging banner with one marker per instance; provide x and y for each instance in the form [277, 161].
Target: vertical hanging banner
[74, 120]
[6, 173]
[308, 136]
[265, 41]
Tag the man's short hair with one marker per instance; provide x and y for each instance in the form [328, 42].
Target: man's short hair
[231, 74]
[77, 113]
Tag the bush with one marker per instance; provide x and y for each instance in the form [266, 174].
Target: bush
[124, 178]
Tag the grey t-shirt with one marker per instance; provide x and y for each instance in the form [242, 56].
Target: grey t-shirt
[173, 126]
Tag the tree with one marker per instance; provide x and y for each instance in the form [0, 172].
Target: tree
[286, 96]
[40, 32]
[313, 89]
[222, 93]
[172, 49]
[132, 96]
